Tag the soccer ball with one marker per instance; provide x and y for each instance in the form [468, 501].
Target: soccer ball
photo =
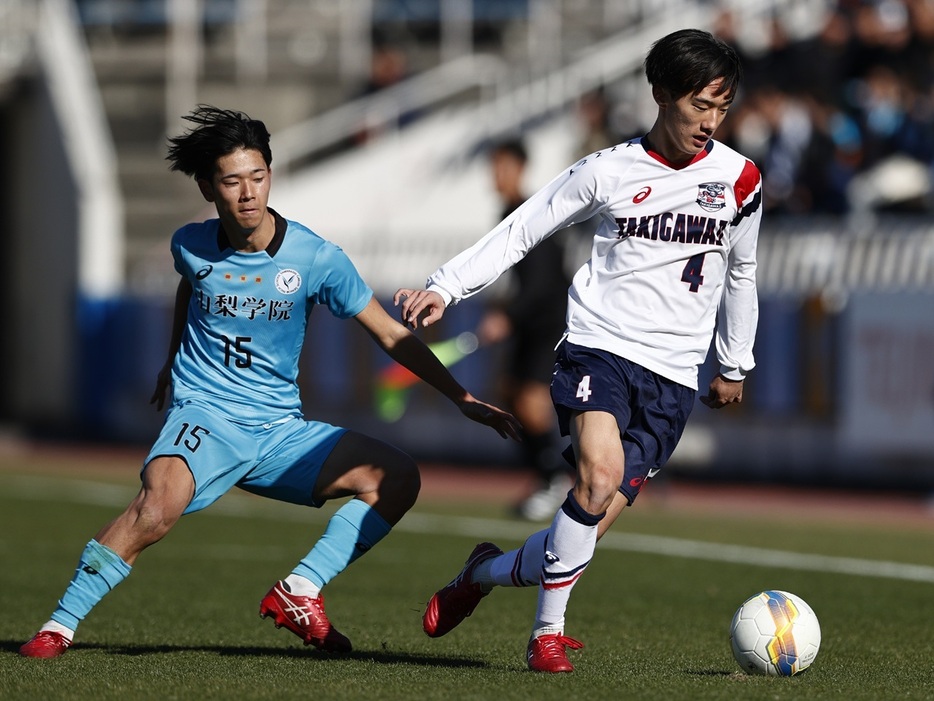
[775, 633]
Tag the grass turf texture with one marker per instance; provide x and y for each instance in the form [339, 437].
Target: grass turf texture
[185, 625]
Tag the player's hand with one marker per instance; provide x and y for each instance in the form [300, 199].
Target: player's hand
[722, 392]
[418, 302]
[504, 423]
[163, 380]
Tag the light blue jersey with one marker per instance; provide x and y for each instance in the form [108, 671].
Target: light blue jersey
[248, 314]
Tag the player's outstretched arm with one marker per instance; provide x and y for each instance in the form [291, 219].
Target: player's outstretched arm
[409, 351]
[418, 302]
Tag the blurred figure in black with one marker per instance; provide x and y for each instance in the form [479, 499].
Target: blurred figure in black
[532, 319]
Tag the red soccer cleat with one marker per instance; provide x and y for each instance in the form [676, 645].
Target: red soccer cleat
[305, 617]
[45, 643]
[547, 653]
[452, 604]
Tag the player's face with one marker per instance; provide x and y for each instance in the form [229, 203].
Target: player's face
[239, 190]
[686, 125]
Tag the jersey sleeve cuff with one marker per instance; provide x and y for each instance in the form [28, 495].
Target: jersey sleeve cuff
[448, 298]
[732, 374]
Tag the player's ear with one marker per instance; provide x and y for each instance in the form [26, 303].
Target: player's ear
[660, 96]
[207, 191]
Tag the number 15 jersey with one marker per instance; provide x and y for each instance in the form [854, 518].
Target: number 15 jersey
[673, 256]
[248, 315]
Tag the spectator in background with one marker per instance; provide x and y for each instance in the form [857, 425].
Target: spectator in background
[895, 123]
[774, 130]
[389, 66]
[593, 110]
[532, 319]
[841, 122]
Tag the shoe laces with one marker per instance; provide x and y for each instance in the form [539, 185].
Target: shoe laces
[552, 646]
[49, 639]
[53, 637]
[461, 586]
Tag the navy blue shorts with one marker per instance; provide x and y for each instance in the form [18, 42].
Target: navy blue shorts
[651, 411]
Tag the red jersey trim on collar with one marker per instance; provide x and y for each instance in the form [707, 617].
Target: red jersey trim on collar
[708, 147]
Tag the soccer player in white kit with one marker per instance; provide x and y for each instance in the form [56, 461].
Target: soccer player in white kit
[673, 262]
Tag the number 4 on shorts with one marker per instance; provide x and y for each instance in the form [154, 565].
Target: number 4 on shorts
[583, 389]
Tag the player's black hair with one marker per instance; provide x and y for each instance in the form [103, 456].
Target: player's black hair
[512, 147]
[687, 61]
[218, 133]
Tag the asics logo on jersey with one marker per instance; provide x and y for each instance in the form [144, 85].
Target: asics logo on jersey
[641, 195]
[675, 228]
[204, 272]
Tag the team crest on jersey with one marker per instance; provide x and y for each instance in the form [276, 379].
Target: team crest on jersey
[288, 281]
[711, 196]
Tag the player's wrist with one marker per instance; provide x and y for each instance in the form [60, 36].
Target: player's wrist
[446, 296]
[731, 374]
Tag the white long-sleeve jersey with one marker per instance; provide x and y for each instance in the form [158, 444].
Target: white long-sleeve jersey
[673, 253]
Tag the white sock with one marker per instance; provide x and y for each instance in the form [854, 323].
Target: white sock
[568, 550]
[555, 629]
[517, 568]
[300, 586]
[56, 627]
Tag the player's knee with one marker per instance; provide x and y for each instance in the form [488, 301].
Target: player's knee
[597, 486]
[154, 519]
[402, 479]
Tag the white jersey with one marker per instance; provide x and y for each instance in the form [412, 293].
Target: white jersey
[674, 251]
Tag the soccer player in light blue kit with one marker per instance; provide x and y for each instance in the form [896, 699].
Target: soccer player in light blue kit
[249, 281]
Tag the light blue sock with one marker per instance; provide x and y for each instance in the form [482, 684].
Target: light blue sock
[352, 530]
[100, 569]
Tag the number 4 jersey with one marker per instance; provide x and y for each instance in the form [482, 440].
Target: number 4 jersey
[248, 314]
[673, 256]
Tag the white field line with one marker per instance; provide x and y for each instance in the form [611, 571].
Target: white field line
[235, 505]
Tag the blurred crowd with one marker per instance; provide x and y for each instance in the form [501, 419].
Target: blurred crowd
[843, 122]
[840, 122]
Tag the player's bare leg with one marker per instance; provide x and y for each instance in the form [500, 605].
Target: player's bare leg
[108, 558]
[385, 483]
[166, 492]
[374, 472]
[572, 538]
[487, 567]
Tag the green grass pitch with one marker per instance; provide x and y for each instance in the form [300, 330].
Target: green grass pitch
[653, 609]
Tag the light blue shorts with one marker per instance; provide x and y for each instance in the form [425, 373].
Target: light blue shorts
[280, 460]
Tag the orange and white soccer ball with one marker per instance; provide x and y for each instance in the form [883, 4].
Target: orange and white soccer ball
[775, 633]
